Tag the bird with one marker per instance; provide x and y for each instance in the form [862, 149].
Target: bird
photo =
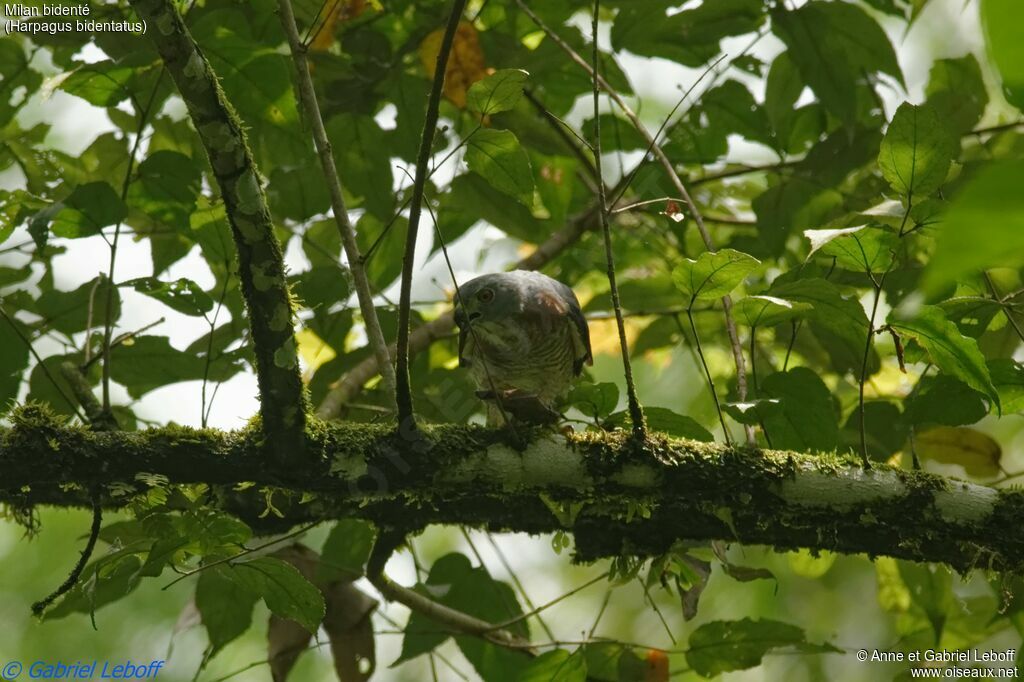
[524, 339]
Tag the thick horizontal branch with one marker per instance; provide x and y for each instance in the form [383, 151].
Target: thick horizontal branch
[615, 496]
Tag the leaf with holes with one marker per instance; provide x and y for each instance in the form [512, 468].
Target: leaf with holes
[182, 295]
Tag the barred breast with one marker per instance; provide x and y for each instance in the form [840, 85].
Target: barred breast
[515, 357]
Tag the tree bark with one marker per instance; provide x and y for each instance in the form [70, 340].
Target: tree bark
[616, 496]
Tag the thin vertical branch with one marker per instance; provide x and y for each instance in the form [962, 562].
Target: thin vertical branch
[636, 414]
[307, 95]
[402, 388]
[203, 414]
[108, 317]
[704, 364]
[864, 373]
[730, 325]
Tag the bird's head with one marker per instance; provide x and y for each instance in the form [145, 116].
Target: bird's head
[488, 298]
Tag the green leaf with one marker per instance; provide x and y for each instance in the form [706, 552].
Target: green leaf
[1001, 19]
[983, 228]
[916, 151]
[833, 66]
[690, 37]
[666, 421]
[497, 92]
[931, 589]
[556, 666]
[85, 212]
[286, 593]
[594, 400]
[346, 550]
[13, 359]
[166, 188]
[150, 362]
[957, 93]
[945, 400]
[15, 73]
[885, 430]
[713, 275]
[768, 311]
[225, 606]
[497, 157]
[722, 646]
[952, 352]
[807, 420]
[105, 580]
[454, 582]
[863, 248]
[103, 84]
[68, 311]
[975, 451]
[732, 106]
[754, 412]
[839, 322]
[364, 163]
[182, 295]
[1008, 377]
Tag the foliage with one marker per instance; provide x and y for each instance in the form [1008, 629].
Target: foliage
[871, 249]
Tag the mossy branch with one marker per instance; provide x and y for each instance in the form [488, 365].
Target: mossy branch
[615, 495]
[260, 259]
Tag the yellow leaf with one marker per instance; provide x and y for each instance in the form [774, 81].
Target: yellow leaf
[893, 594]
[806, 565]
[313, 350]
[975, 451]
[341, 12]
[465, 63]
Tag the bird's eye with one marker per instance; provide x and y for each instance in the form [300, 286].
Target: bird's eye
[485, 295]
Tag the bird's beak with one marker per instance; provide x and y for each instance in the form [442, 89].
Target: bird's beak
[460, 317]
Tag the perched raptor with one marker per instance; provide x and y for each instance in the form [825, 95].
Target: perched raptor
[524, 338]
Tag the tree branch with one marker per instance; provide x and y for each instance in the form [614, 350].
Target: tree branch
[307, 95]
[260, 260]
[592, 483]
[404, 393]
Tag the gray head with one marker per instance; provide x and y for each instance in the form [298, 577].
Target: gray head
[500, 295]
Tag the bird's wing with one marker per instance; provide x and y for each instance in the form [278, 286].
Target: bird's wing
[580, 334]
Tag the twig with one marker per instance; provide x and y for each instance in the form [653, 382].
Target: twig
[121, 338]
[203, 415]
[635, 411]
[704, 364]
[406, 418]
[307, 94]
[108, 319]
[1006, 310]
[734, 341]
[76, 572]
